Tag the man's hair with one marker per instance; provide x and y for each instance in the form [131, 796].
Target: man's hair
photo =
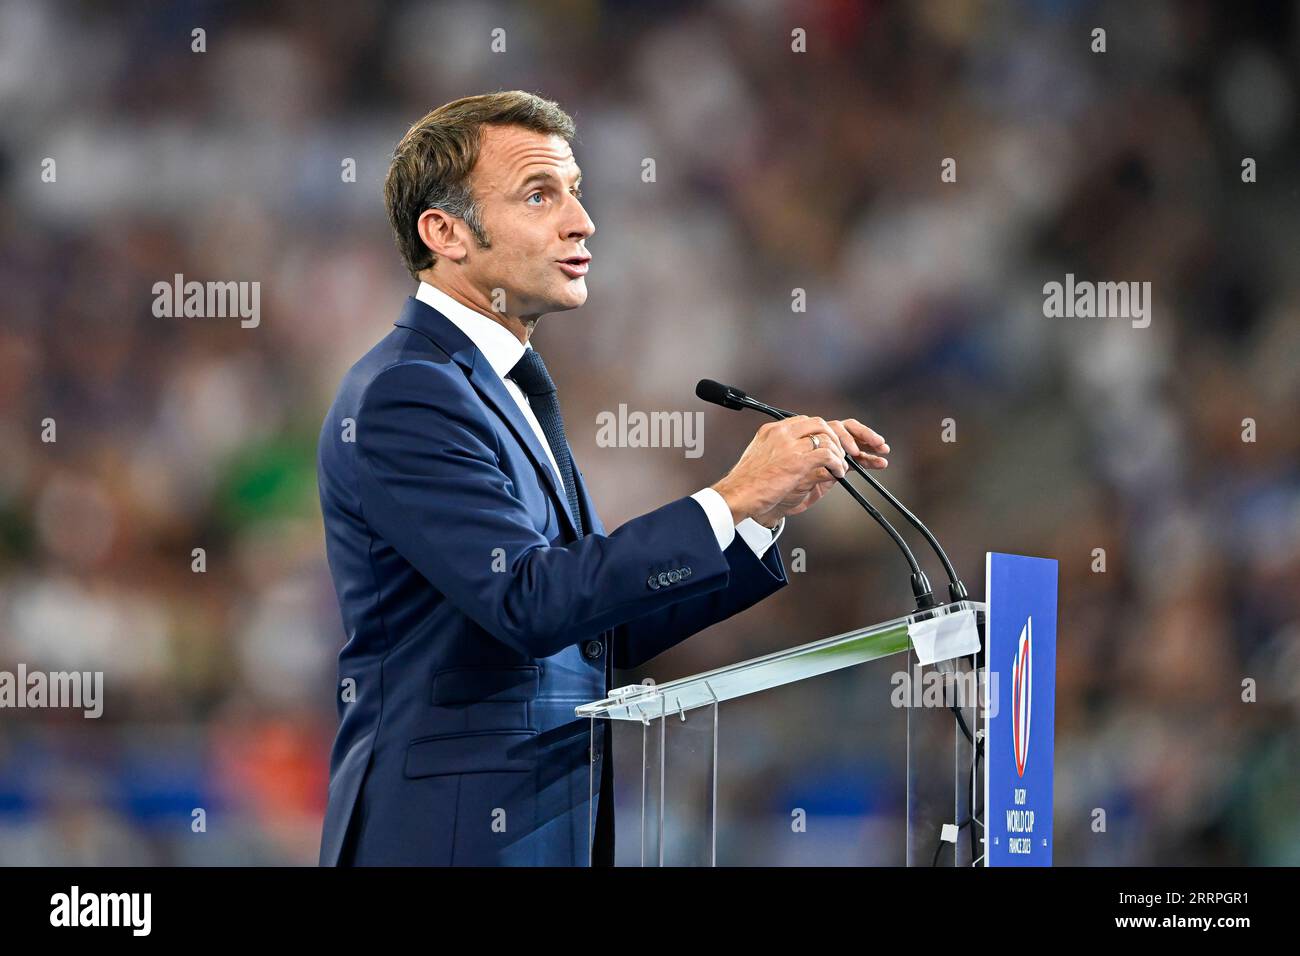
[432, 163]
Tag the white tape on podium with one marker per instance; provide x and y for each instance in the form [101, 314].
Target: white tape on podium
[946, 637]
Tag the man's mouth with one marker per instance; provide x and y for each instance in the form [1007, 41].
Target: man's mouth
[575, 267]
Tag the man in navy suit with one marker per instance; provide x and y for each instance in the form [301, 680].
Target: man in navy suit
[481, 596]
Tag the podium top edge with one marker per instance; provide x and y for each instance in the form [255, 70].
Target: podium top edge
[642, 702]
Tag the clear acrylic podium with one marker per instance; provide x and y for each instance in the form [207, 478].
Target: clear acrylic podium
[681, 734]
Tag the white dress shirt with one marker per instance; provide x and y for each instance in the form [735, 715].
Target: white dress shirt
[503, 351]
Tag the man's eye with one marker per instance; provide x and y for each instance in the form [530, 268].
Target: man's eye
[532, 197]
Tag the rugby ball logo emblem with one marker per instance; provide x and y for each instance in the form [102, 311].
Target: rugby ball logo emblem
[1022, 692]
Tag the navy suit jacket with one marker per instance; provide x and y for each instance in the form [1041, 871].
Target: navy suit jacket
[476, 621]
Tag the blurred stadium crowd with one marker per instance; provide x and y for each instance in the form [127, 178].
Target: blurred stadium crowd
[774, 171]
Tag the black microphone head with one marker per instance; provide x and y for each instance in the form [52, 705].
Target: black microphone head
[718, 394]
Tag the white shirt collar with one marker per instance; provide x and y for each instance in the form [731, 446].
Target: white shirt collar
[497, 343]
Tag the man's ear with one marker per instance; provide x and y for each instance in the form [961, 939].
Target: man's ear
[443, 234]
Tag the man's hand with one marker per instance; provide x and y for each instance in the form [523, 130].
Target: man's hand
[784, 472]
[865, 445]
[854, 437]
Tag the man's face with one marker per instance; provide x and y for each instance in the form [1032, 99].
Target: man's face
[526, 184]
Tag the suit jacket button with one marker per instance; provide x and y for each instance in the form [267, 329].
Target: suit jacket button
[652, 582]
[663, 578]
[592, 650]
[686, 571]
[674, 576]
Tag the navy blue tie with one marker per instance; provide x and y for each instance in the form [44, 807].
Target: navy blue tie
[530, 375]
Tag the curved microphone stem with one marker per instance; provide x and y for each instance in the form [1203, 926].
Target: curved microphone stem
[956, 590]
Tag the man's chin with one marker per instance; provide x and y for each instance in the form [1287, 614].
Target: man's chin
[572, 297]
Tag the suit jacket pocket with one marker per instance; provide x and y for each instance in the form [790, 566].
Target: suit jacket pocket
[482, 751]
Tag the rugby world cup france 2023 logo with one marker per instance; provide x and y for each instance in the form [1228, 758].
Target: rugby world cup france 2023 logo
[1022, 692]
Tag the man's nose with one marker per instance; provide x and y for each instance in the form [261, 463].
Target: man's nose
[580, 226]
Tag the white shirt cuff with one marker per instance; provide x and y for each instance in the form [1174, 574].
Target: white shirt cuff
[719, 513]
[756, 536]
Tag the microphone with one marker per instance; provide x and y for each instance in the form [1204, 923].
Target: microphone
[719, 394]
[730, 397]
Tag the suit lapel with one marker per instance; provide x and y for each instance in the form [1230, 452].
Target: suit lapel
[594, 524]
[432, 324]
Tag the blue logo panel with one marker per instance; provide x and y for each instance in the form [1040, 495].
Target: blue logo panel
[1020, 722]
